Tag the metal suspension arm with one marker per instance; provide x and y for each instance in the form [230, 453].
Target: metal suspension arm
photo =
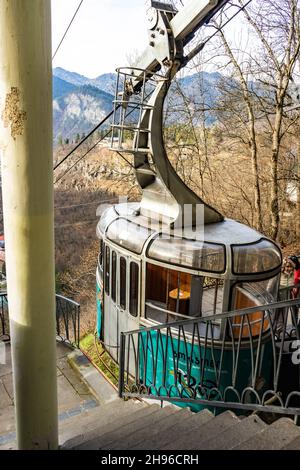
[183, 26]
[164, 193]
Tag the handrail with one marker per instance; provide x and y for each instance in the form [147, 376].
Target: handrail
[221, 316]
[67, 319]
[70, 301]
[167, 312]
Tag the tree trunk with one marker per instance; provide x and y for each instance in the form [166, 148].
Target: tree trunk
[275, 218]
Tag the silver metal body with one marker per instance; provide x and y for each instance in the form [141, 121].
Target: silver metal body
[164, 193]
[199, 266]
[120, 220]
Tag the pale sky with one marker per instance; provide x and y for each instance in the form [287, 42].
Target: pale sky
[102, 36]
[109, 33]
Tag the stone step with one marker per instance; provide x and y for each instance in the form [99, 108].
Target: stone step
[293, 445]
[91, 440]
[154, 438]
[7, 428]
[154, 434]
[70, 435]
[124, 437]
[189, 424]
[7, 420]
[192, 438]
[84, 421]
[274, 437]
[102, 390]
[235, 435]
[12, 445]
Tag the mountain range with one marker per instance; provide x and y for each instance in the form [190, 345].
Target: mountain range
[80, 103]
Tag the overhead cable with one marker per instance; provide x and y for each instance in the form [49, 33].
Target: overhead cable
[65, 33]
[186, 59]
[84, 139]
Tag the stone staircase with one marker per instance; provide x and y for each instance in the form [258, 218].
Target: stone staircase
[107, 422]
[135, 425]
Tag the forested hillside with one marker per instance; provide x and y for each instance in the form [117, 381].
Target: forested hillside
[232, 134]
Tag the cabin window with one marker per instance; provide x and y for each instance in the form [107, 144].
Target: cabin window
[113, 276]
[100, 258]
[128, 235]
[184, 294]
[123, 282]
[106, 218]
[134, 289]
[194, 254]
[252, 294]
[256, 258]
[107, 269]
[258, 293]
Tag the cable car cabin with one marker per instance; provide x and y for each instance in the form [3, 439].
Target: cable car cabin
[147, 277]
[149, 273]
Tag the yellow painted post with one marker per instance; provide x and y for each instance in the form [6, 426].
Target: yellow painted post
[26, 155]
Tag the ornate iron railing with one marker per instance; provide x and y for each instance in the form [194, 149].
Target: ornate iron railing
[67, 320]
[253, 363]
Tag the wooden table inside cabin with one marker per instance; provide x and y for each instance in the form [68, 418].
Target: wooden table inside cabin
[183, 299]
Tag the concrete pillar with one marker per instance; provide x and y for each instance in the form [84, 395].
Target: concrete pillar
[26, 155]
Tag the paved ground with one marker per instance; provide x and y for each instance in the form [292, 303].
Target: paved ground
[74, 396]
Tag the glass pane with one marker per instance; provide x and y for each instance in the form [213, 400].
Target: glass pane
[100, 260]
[256, 258]
[101, 254]
[107, 269]
[190, 253]
[252, 294]
[108, 216]
[212, 297]
[123, 273]
[128, 235]
[167, 289]
[134, 289]
[263, 292]
[113, 275]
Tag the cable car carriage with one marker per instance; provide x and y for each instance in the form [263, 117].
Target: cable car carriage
[172, 257]
[144, 279]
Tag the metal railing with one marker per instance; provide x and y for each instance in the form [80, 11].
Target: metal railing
[251, 364]
[67, 320]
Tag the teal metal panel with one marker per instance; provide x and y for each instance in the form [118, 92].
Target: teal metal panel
[99, 310]
[209, 369]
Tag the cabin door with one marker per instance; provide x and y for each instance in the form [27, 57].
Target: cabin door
[129, 290]
[110, 302]
[121, 297]
[129, 297]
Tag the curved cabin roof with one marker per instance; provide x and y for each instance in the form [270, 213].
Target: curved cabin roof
[226, 246]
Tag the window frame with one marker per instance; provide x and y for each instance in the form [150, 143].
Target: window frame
[181, 265]
[257, 273]
[122, 285]
[107, 276]
[114, 261]
[133, 313]
[101, 252]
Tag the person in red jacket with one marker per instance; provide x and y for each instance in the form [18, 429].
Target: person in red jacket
[296, 289]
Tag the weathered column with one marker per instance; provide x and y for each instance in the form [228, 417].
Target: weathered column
[26, 154]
